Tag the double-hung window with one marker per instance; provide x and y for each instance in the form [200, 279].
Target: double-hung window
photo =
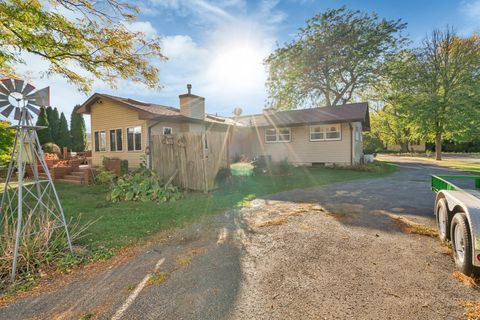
[278, 135]
[100, 141]
[325, 132]
[116, 141]
[134, 138]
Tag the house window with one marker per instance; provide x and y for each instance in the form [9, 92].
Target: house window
[325, 132]
[116, 140]
[278, 135]
[134, 139]
[167, 130]
[100, 141]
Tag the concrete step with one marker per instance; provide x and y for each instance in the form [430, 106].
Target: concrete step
[69, 181]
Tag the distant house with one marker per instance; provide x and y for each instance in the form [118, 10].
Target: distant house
[123, 128]
[415, 146]
[325, 135]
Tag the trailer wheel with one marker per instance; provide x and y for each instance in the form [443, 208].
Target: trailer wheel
[443, 221]
[462, 243]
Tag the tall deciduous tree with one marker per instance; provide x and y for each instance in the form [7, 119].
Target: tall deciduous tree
[6, 137]
[63, 139]
[392, 121]
[44, 135]
[78, 36]
[337, 54]
[78, 131]
[447, 74]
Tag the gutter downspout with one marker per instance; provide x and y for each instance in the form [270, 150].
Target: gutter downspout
[351, 143]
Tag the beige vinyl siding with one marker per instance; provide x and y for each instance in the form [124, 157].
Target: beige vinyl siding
[300, 150]
[157, 129]
[111, 115]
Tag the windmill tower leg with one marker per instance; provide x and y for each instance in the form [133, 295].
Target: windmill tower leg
[19, 197]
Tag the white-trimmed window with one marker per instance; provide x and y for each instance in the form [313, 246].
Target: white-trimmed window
[116, 140]
[167, 130]
[328, 132]
[134, 138]
[100, 141]
[278, 135]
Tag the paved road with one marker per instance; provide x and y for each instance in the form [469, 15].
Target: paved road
[284, 257]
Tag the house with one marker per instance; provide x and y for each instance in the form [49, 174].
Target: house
[122, 127]
[325, 135]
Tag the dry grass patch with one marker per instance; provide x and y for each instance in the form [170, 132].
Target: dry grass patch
[185, 259]
[472, 309]
[466, 280]
[274, 222]
[410, 227]
[158, 278]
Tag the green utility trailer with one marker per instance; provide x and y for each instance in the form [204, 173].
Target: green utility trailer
[457, 212]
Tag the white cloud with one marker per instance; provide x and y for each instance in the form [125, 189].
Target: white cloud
[222, 59]
[142, 26]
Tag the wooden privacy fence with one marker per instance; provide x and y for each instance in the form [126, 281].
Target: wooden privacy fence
[194, 159]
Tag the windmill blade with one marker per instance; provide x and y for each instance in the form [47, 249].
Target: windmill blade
[6, 112]
[4, 103]
[3, 96]
[41, 97]
[8, 84]
[18, 84]
[4, 91]
[28, 115]
[28, 88]
[34, 108]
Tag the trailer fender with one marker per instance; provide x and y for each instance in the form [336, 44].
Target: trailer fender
[465, 201]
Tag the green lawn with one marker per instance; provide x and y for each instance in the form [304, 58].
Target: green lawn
[120, 224]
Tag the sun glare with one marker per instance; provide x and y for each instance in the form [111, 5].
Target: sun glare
[238, 66]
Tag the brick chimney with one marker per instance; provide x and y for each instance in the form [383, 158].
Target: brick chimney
[192, 106]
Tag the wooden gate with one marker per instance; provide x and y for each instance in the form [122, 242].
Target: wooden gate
[194, 159]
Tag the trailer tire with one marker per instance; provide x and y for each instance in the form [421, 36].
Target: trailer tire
[462, 244]
[443, 219]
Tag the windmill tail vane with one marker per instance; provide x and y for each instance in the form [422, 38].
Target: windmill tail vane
[33, 194]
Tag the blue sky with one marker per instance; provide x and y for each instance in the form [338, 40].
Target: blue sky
[218, 46]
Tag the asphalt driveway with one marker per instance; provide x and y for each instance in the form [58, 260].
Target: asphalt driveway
[322, 253]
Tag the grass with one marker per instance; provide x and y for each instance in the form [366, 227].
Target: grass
[158, 278]
[124, 223]
[451, 163]
[409, 227]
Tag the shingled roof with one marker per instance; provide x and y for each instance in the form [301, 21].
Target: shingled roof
[353, 112]
[151, 110]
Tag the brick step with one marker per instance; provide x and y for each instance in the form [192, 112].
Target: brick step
[69, 181]
[77, 173]
[72, 177]
[42, 176]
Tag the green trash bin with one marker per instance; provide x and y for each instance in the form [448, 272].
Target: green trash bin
[241, 169]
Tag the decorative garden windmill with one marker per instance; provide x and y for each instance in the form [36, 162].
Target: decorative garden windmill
[34, 197]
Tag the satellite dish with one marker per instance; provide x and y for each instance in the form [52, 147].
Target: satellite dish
[237, 111]
[16, 94]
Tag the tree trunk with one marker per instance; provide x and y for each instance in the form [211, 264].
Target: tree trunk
[438, 146]
[404, 147]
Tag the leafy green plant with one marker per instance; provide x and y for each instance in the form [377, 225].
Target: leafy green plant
[124, 166]
[143, 185]
[104, 176]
